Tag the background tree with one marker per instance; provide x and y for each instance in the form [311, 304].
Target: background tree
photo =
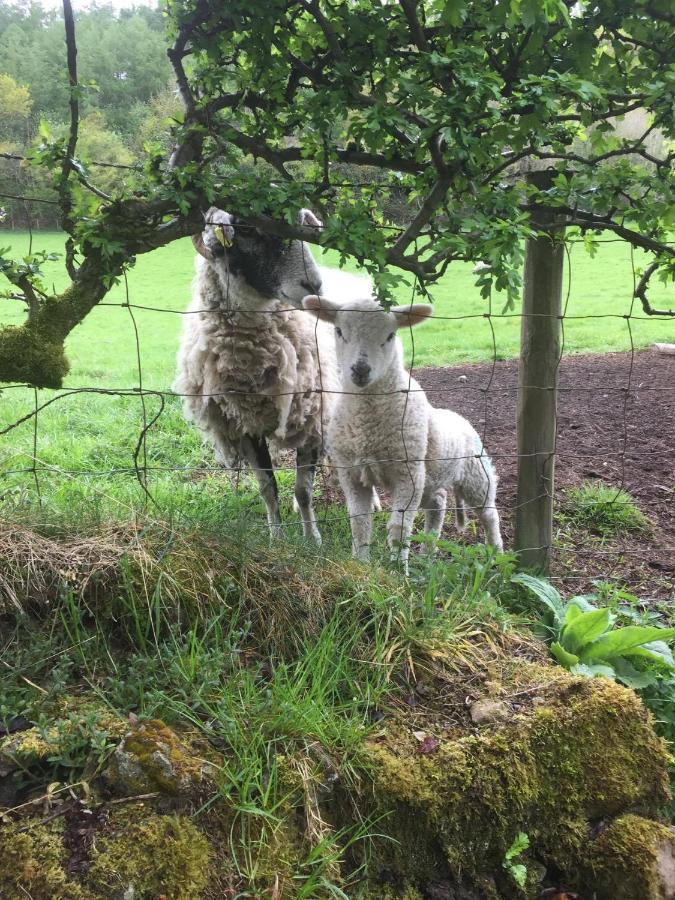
[447, 101]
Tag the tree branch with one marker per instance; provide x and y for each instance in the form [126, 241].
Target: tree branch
[641, 293]
[433, 200]
[65, 198]
[599, 223]
[416, 31]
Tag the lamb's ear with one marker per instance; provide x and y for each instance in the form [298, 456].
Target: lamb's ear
[325, 309]
[200, 246]
[408, 316]
[307, 217]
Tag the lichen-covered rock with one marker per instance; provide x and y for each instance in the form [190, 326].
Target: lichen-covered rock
[486, 711]
[588, 753]
[633, 857]
[152, 758]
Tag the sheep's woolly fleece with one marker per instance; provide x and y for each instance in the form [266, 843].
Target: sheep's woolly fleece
[268, 372]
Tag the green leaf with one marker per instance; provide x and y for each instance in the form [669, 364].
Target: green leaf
[545, 592]
[582, 602]
[658, 653]
[593, 671]
[520, 843]
[623, 640]
[519, 874]
[564, 658]
[583, 628]
[627, 674]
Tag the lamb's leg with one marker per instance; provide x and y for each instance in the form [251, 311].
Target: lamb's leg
[479, 491]
[434, 504]
[256, 453]
[360, 507]
[304, 482]
[461, 517]
[405, 501]
[490, 520]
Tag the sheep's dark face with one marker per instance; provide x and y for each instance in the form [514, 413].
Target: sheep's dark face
[264, 265]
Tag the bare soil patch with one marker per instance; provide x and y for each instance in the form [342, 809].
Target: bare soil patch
[616, 423]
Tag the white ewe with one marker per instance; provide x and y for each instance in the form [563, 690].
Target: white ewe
[384, 433]
[252, 368]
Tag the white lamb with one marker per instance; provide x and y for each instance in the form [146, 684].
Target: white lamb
[385, 433]
[251, 368]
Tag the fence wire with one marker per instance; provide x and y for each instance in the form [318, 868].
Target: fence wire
[144, 470]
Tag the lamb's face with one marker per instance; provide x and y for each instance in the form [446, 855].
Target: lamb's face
[366, 343]
[367, 346]
[259, 266]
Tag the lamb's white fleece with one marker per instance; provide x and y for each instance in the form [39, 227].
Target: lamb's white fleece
[456, 462]
[385, 433]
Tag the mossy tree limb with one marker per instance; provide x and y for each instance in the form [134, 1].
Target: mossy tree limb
[34, 353]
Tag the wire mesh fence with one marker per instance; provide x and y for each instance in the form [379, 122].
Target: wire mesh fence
[629, 447]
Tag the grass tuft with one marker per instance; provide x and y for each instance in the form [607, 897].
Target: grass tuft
[604, 510]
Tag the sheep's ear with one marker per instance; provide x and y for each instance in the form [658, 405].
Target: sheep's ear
[200, 246]
[307, 217]
[325, 309]
[408, 316]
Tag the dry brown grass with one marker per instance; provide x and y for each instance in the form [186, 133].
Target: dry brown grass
[35, 570]
[191, 573]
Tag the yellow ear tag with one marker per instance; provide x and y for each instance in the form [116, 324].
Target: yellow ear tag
[219, 232]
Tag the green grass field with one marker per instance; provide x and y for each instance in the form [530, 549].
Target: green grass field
[94, 433]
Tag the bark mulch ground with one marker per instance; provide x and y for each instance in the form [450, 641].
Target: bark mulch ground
[616, 423]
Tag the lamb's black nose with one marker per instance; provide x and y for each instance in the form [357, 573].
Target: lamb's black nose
[361, 373]
[312, 287]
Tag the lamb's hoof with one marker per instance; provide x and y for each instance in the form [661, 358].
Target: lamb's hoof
[276, 532]
[313, 535]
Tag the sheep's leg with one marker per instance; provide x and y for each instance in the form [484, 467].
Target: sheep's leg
[405, 501]
[256, 453]
[307, 459]
[360, 506]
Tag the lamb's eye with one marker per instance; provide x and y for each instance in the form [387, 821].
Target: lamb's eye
[338, 331]
[391, 336]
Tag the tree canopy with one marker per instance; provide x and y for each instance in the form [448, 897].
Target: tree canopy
[447, 103]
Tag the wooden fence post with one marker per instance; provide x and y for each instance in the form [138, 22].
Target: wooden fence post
[538, 387]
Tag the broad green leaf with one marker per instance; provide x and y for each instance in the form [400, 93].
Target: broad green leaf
[584, 628]
[544, 591]
[623, 640]
[592, 671]
[564, 658]
[627, 674]
[584, 602]
[658, 653]
[572, 612]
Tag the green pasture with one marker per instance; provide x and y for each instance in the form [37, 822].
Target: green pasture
[93, 433]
